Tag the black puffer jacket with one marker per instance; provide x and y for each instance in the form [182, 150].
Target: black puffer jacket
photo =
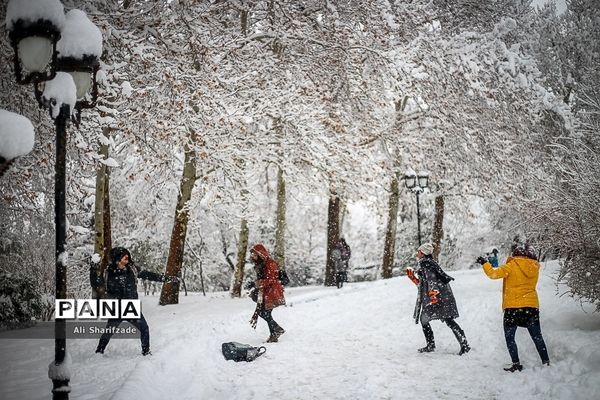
[432, 277]
[121, 283]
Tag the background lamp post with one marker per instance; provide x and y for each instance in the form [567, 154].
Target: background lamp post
[417, 183]
[74, 62]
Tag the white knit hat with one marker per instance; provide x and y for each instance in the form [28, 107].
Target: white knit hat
[426, 248]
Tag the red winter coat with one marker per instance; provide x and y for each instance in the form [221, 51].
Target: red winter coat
[267, 279]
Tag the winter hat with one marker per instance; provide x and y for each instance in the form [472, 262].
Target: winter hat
[426, 248]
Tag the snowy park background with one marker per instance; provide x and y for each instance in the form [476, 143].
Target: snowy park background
[358, 342]
[293, 123]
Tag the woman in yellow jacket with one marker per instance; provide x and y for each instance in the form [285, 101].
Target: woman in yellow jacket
[519, 301]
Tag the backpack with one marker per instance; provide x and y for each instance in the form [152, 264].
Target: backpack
[284, 278]
[346, 252]
[241, 352]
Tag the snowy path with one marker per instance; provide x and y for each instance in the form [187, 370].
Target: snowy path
[355, 343]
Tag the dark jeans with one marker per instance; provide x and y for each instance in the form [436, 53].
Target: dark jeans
[273, 326]
[340, 278]
[529, 318]
[456, 329]
[141, 326]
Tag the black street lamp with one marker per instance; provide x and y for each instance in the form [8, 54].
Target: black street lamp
[62, 82]
[417, 183]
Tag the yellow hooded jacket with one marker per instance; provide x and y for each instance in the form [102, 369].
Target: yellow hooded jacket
[520, 276]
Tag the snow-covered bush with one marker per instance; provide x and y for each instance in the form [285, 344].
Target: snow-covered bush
[21, 301]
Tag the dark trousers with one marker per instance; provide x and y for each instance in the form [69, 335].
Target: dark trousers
[526, 318]
[273, 326]
[140, 324]
[456, 329]
[340, 278]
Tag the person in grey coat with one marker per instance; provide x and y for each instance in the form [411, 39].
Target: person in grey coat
[435, 299]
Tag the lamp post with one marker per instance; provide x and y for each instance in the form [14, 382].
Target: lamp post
[55, 52]
[417, 183]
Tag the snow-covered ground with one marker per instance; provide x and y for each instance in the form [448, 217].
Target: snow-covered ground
[355, 343]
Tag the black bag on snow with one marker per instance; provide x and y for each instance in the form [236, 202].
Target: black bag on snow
[241, 352]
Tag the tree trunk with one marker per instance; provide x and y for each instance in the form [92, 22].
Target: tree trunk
[107, 220]
[170, 291]
[333, 231]
[100, 214]
[389, 249]
[438, 226]
[343, 213]
[279, 253]
[236, 290]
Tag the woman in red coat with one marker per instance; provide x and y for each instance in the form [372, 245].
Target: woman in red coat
[270, 290]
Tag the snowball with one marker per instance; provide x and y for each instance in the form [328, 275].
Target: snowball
[79, 37]
[96, 258]
[61, 90]
[34, 10]
[16, 135]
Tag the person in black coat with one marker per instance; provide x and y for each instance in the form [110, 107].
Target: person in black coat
[435, 299]
[121, 283]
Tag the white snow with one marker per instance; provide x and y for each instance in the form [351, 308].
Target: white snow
[33, 10]
[110, 162]
[79, 36]
[61, 90]
[16, 135]
[96, 258]
[126, 89]
[63, 258]
[81, 230]
[358, 342]
[62, 371]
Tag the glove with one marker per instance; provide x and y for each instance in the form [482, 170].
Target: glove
[481, 260]
[171, 279]
[411, 275]
[253, 320]
[433, 296]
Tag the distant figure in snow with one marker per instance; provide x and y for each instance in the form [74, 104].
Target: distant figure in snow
[120, 279]
[493, 258]
[341, 254]
[267, 292]
[519, 300]
[435, 299]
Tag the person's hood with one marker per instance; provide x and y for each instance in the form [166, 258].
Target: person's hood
[529, 266]
[261, 250]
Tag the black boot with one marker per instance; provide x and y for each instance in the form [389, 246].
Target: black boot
[277, 332]
[464, 348]
[427, 349]
[514, 367]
